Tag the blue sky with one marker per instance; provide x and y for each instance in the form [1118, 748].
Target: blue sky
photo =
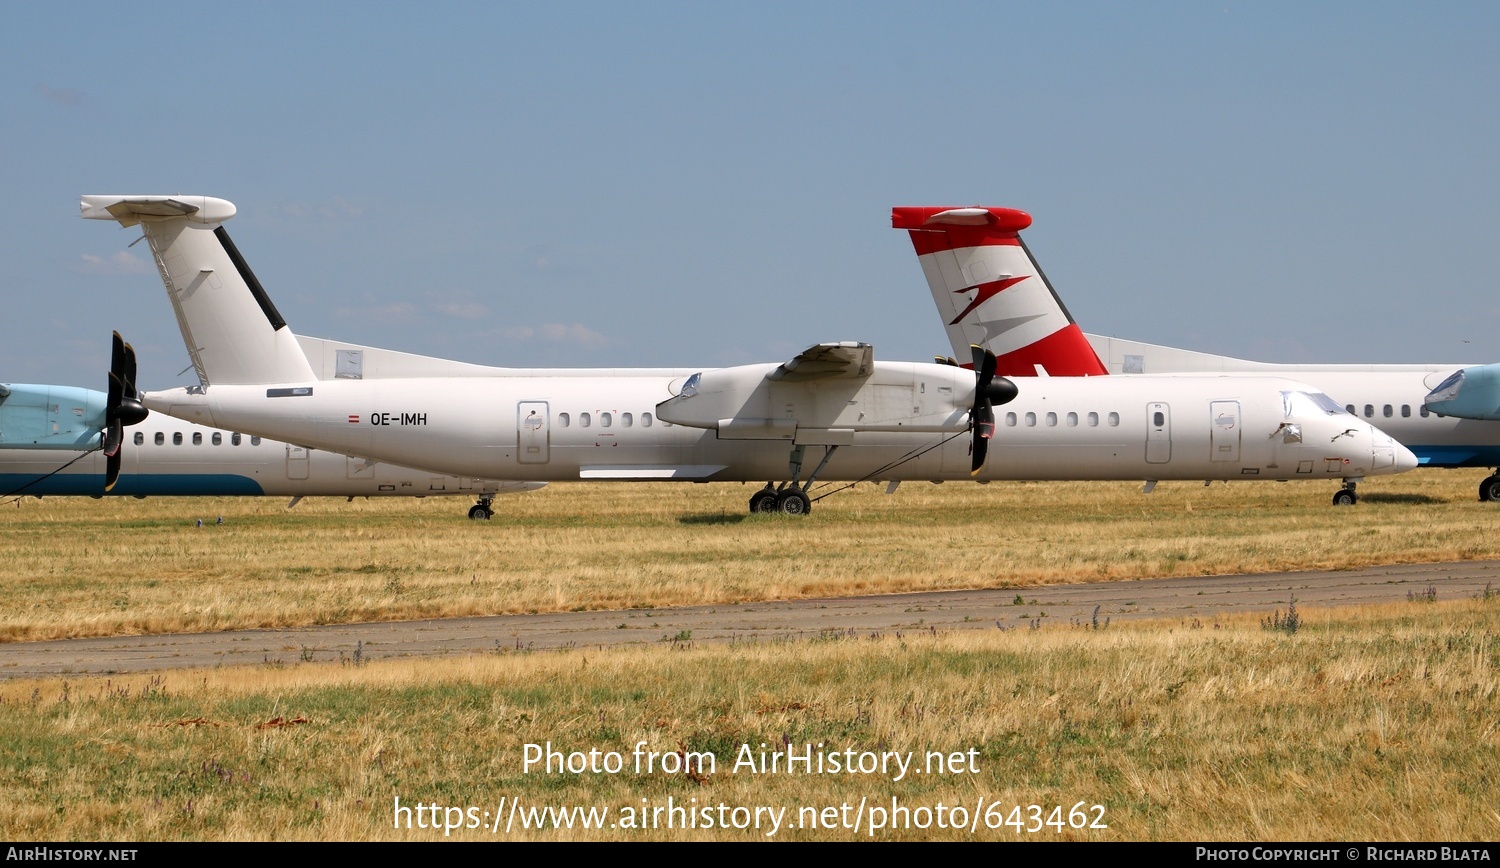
[613, 184]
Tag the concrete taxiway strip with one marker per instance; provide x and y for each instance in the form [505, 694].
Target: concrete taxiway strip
[1200, 597]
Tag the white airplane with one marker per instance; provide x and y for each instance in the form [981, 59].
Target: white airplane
[879, 421]
[51, 445]
[990, 291]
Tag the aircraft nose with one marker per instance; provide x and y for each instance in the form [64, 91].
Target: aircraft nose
[1388, 456]
[1405, 459]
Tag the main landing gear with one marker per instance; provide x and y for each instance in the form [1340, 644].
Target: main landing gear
[790, 498]
[484, 509]
[1345, 496]
[1489, 489]
[787, 499]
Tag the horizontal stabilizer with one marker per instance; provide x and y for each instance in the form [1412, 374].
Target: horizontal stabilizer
[130, 210]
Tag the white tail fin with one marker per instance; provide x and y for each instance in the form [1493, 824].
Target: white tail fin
[991, 293]
[233, 333]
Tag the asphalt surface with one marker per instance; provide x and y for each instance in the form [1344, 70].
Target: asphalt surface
[1187, 598]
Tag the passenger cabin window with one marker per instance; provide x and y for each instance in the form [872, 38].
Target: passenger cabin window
[197, 438]
[564, 419]
[1072, 420]
[606, 419]
[234, 439]
[1093, 420]
[1350, 408]
[626, 420]
[177, 439]
[1369, 411]
[160, 438]
[1387, 411]
[140, 438]
[1010, 420]
[1030, 420]
[254, 440]
[1114, 420]
[218, 439]
[645, 420]
[1424, 411]
[1158, 418]
[1051, 420]
[584, 420]
[1405, 411]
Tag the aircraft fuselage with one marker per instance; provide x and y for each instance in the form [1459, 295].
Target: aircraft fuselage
[609, 427]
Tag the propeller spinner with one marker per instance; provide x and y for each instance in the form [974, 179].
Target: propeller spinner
[123, 407]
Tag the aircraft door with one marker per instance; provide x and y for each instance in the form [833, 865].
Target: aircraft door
[1224, 425]
[1158, 433]
[296, 462]
[533, 433]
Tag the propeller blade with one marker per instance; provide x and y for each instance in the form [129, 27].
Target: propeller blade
[982, 417]
[122, 407]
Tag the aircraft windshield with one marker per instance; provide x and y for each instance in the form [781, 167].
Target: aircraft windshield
[1448, 389]
[1295, 404]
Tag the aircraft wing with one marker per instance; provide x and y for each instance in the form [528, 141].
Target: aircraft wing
[824, 361]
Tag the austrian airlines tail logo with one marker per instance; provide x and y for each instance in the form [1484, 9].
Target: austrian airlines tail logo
[987, 291]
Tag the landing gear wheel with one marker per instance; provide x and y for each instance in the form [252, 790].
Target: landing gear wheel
[1345, 497]
[480, 512]
[1490, 489]
[793, 502]
[763, 501]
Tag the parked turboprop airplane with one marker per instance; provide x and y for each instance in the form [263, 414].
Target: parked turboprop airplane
[870, 420]
[991, 292]
[44, 428]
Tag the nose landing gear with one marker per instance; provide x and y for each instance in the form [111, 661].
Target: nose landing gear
[483, 510]
[1489, 489]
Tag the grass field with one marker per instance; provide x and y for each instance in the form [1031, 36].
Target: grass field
[1370, 724]
[1377, 725]
[76, 567]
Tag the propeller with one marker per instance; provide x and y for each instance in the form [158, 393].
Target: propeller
[123, 407]
[988, 391]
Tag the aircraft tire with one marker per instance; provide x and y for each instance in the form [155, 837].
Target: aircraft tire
[763, 501]
[793, 502]
[1489, 489]
[477, 512]
[1345, 497]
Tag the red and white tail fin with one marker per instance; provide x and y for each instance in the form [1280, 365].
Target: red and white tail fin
[991, 293]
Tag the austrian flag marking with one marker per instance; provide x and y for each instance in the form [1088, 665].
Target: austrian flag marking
[353, 419]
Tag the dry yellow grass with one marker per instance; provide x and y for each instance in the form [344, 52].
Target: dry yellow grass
[1368, 725]
[77, 567]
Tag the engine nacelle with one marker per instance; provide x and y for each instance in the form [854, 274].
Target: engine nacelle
[50, 417]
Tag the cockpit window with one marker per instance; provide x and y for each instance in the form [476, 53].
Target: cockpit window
[1309, 404]
[1448, 388]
